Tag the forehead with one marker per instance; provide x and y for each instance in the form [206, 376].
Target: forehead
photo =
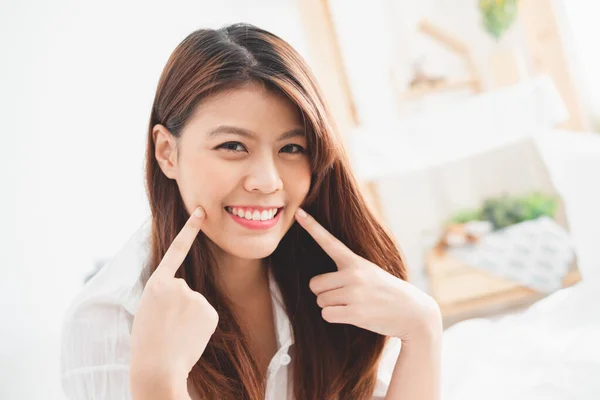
[251, 107]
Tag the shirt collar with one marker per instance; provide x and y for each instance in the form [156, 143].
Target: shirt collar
[283, 325]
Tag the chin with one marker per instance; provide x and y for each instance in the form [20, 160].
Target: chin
[252, 249]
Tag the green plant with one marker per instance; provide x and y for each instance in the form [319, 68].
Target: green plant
[466, 215]
[536, 205]
[507, 210]
[498, 15]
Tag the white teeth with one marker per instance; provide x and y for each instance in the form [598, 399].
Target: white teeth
[255, 215]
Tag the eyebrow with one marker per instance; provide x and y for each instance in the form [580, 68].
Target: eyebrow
[221, 129]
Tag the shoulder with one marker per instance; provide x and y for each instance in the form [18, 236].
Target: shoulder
[120, 280]
[97, 324]
[387, 362]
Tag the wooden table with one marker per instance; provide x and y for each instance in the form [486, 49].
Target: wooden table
[465, 292]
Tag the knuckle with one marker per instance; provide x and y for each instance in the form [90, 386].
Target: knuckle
[356, 294]
[347, 258]
[155, 285]
[213, 317]
[313, 285]
[198, 300]
[181, 285]
[320, 301]
[433, 308]
[325, 313]
[356, 274]
[194, 223]
[178, 247]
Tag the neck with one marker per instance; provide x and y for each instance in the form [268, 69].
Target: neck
[241, 280]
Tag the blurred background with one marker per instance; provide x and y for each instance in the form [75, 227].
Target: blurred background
[472, 125]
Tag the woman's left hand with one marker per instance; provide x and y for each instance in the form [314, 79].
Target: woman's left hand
[362, 294]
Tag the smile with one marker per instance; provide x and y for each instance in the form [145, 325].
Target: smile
[255, 217]
[255, 214]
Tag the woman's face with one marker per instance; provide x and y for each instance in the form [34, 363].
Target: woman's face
[243, 158]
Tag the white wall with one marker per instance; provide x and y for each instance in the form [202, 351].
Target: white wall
[380, 43]
[581, 17]
[379, 35]
[77, 82]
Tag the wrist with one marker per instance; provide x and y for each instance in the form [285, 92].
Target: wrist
[146, 385]
[427, 329]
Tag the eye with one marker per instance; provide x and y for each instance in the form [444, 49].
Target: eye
[232, 146]
[293, 149]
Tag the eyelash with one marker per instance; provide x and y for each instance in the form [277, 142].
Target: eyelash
[300, 149]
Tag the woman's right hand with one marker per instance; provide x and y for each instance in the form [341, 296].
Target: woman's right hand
[173, 323]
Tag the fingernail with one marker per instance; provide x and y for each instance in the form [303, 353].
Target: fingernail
[301, 213]
[198, 212]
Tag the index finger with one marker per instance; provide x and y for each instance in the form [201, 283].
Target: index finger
[181, 245]
[337, 250]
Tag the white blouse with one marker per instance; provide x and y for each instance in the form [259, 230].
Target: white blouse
[95, 350]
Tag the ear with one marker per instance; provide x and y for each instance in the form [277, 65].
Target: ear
[165, 150]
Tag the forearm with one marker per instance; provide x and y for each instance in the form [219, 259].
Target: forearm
[417, 374]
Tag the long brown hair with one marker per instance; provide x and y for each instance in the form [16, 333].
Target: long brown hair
[331, 361]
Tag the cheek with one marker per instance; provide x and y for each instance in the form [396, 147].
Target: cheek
[297, 182]
[204, 184]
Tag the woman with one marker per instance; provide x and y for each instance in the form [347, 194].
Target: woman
[262, 273]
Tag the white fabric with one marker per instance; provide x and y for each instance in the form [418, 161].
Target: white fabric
[548, 352]
[96, 331]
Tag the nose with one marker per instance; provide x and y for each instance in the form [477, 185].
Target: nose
[263, 176]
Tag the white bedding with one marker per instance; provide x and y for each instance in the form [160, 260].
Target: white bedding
[551, 351]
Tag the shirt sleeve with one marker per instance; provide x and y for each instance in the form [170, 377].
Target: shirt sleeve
[387, 363]
[95, 353]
